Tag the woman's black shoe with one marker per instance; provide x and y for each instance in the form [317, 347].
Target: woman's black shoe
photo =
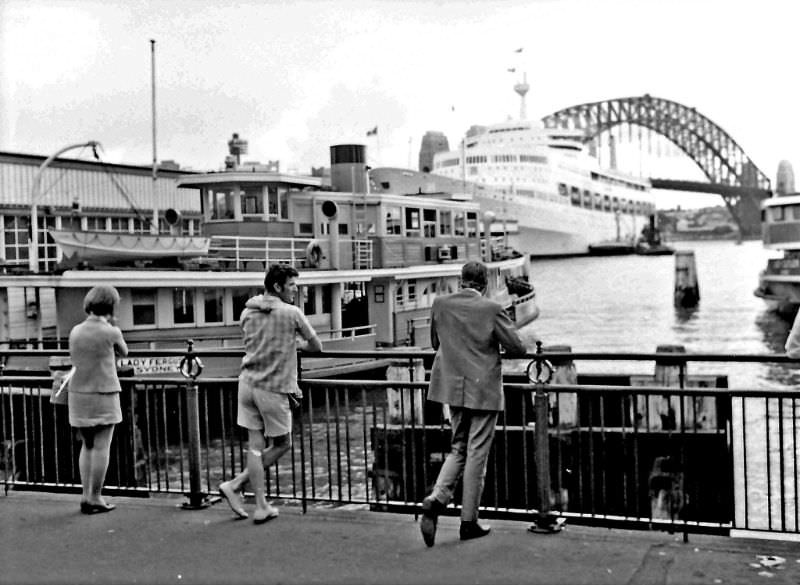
[87, 508]
[470, 530]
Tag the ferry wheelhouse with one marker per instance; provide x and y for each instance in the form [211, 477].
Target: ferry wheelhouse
[370, 264]
[548, 181]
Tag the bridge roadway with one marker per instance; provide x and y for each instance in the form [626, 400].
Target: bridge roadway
[151, 540]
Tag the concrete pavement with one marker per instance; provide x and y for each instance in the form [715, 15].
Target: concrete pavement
[45, 539]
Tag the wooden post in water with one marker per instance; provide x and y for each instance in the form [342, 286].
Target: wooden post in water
[687, 291]
[405, 403]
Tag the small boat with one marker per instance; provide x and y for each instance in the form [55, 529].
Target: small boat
[95, 246]
[650, 244]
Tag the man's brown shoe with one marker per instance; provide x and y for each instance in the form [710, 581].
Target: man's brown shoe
[431, 508]
[470, 530]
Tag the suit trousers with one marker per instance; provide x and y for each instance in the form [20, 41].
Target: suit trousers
[473, 432]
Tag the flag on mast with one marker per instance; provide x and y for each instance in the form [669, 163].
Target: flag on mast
[372, 132]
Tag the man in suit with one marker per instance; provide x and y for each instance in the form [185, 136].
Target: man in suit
[467, 330]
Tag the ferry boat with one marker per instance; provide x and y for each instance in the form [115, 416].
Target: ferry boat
[779, 282]
[544, 178]
[370, 264]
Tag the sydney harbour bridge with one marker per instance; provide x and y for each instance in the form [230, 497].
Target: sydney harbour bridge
[730, 172]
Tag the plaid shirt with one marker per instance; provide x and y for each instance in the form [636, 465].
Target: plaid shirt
[270, 328]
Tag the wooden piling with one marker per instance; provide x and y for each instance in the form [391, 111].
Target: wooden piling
[405, 403]
[687, 290]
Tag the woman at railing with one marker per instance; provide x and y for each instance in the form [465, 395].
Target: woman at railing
[94, 389]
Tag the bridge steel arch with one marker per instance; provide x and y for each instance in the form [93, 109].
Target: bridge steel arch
[714, 151]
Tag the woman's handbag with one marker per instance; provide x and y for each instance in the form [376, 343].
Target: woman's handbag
[61, 386]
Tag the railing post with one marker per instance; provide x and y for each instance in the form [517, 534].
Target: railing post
[191, 367]
[303, 490]
[547, 522]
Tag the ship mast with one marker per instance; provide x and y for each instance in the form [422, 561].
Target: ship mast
[154, 195]
[522, 89]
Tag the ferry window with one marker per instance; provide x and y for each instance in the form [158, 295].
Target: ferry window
[598, 201]
[392, 221]
[586, 200]
[472, 224]
[412, 291]
[182, 305]
[412, 222]
[606, 203]
[575, 196]
[221, 204]
[429, 223]
[252, 201]
[283, 202]
[615, 204]
[212, 302]
[143, 303]
[445, 223]
[777, 214]
[327, 292]
[239, 298]
[562, 189]
[795, 211]
[310, 300]
[398, 295]
[305, 228]
[343, 229]
[272, 200]
[458, 225]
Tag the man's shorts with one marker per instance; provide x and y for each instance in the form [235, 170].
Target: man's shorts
[263, 410]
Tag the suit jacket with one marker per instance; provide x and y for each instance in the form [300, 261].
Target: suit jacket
[467, 330]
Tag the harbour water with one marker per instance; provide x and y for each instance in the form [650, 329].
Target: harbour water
[625, 303]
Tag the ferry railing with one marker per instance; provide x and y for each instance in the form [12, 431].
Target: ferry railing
[237, 252]
[683, 458]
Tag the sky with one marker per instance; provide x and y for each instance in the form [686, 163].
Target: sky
[294, 77]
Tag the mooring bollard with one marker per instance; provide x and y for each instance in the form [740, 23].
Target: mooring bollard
[190, 368]
[546, 521]
[687, 291]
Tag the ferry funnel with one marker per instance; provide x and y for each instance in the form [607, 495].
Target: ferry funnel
[349, 168]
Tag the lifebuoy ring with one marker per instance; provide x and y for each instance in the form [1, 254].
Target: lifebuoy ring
[313, 254]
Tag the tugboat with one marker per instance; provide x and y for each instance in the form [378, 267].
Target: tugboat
[650, 243]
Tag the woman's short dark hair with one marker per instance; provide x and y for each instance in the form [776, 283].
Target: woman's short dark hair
[101, 300]
[278, 274]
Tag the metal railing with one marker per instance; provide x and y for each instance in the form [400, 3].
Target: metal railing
[678, 454]
[239, 252]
